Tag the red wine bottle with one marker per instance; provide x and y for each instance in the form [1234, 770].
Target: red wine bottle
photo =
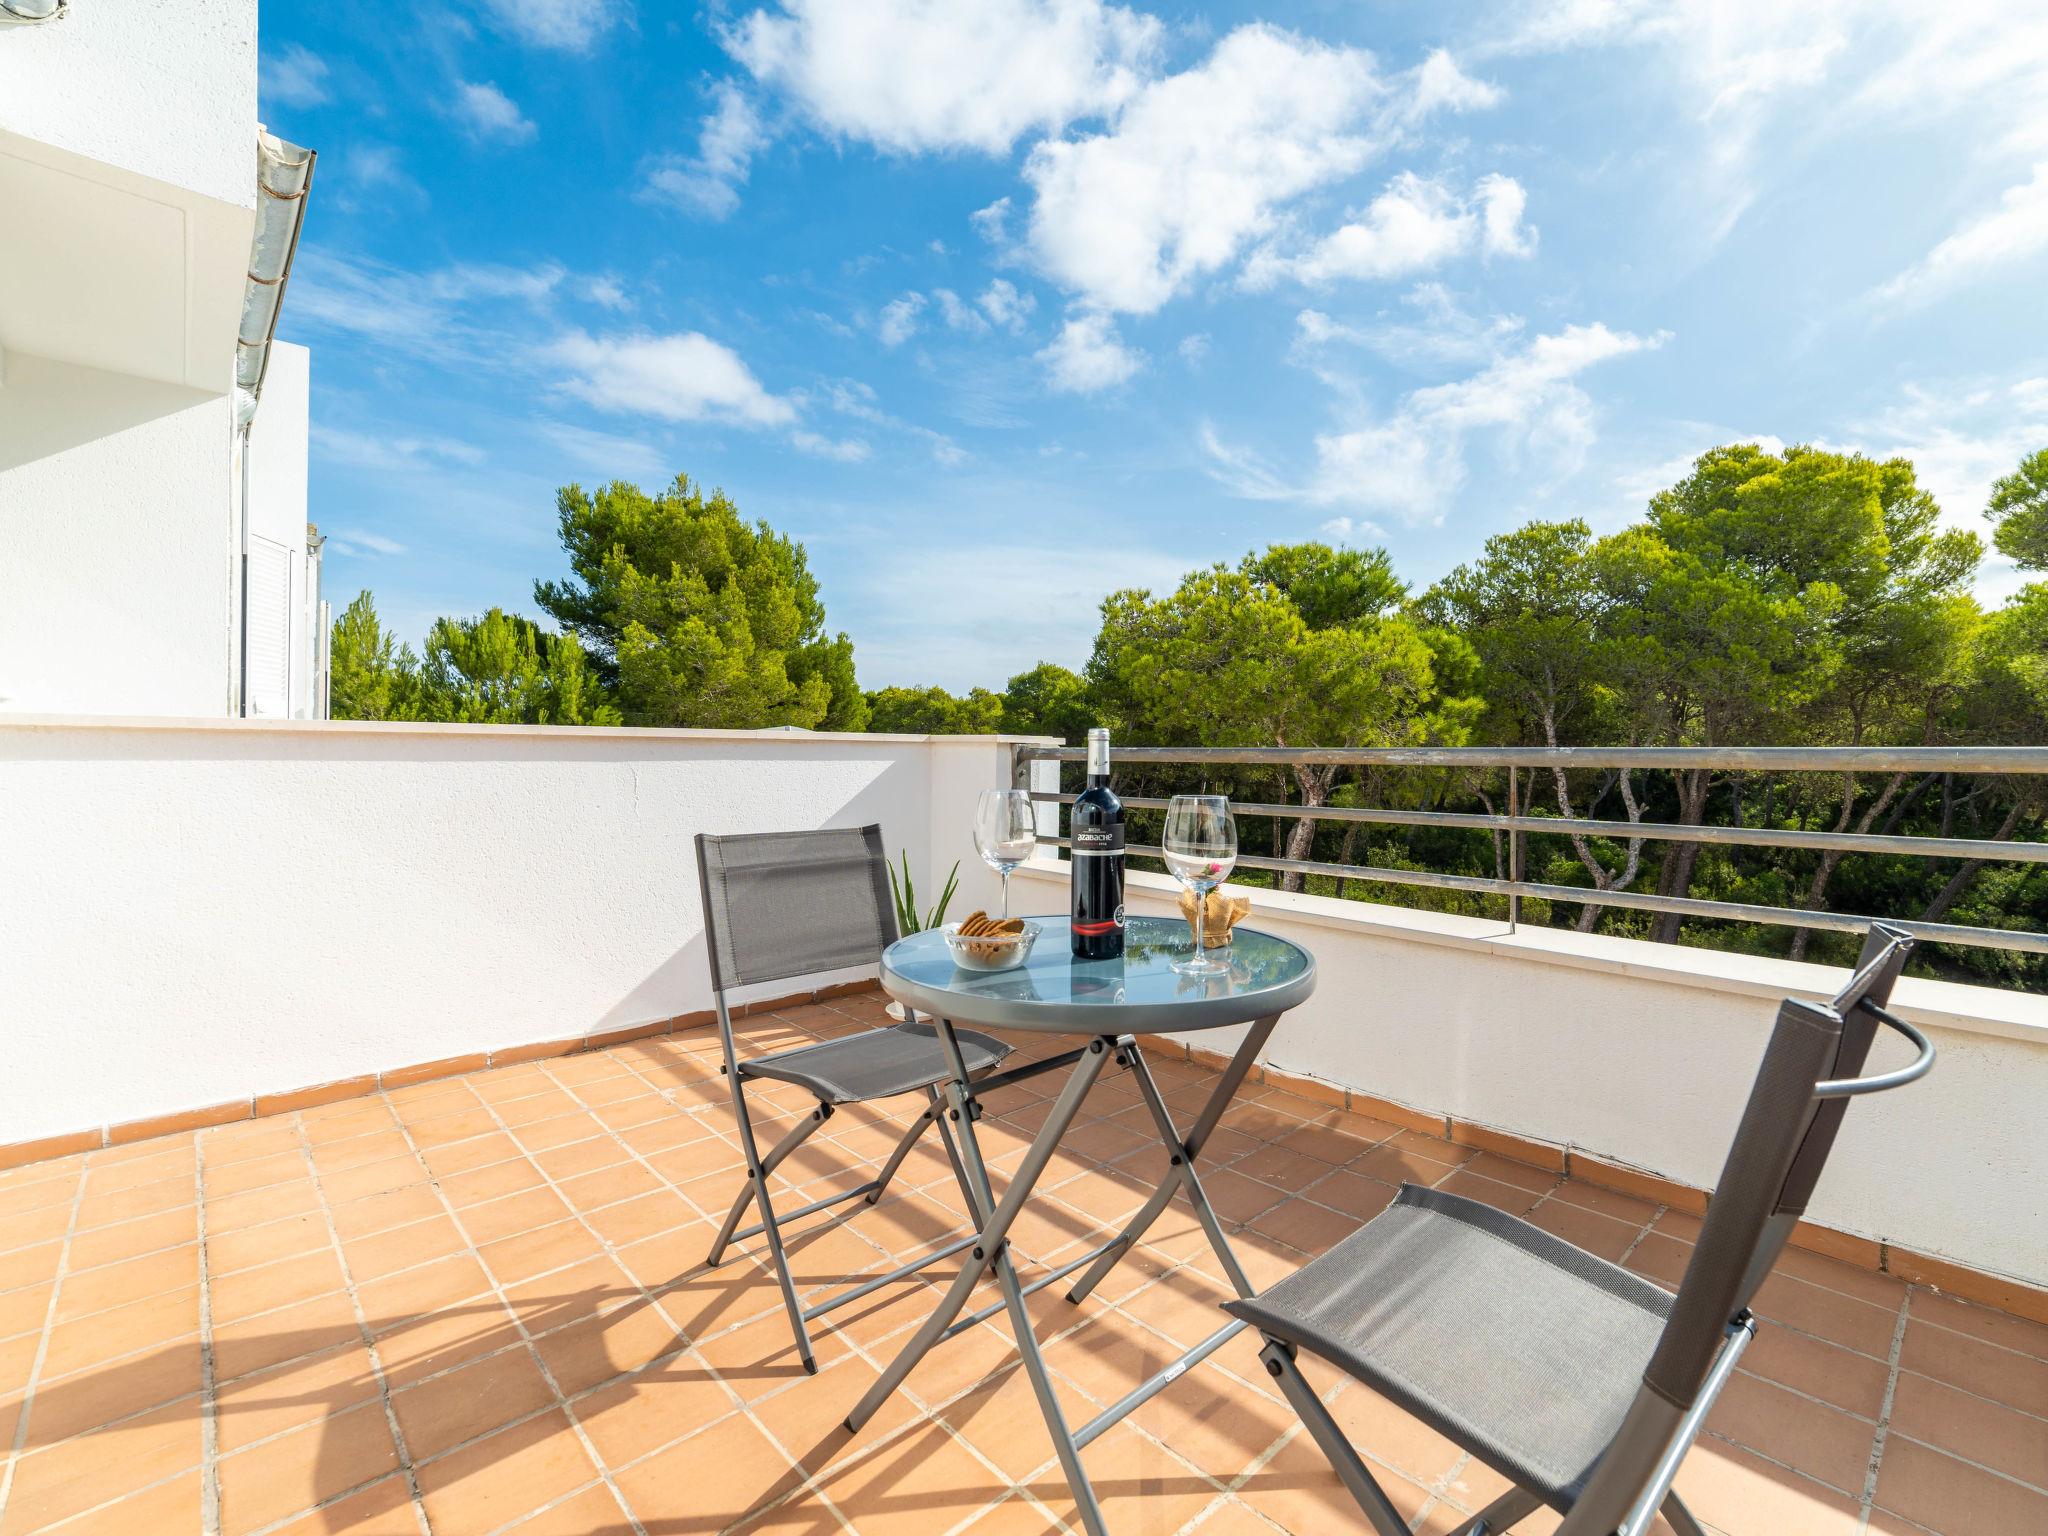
[1098, 850]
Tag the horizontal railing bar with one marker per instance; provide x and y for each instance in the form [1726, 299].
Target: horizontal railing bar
[1624, 831]
[1733, 911]
[1787, 759]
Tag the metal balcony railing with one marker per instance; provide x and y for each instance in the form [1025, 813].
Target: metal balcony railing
[2031, 762]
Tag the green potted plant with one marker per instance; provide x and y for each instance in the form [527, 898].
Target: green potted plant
[908, 919]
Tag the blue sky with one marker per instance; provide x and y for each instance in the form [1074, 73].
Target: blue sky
[1001, 304]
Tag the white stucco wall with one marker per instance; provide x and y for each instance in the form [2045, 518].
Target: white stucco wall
[167, 90]
[201, 912]
[1644, 1053]
[115, 551]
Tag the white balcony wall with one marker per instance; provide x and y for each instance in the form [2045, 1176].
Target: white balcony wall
[196, 912]
[201, 911]
[1643, 1054]
[167, 91]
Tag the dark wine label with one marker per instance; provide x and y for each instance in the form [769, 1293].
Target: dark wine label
[1098, 840]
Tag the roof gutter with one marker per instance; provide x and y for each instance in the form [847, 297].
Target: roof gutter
[284, 175]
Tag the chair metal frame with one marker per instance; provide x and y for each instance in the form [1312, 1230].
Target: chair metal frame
[1632, 1481]
[754, 1190]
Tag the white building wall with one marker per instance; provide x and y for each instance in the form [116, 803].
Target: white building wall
[115, 560]
[167, 90]
[284, 624]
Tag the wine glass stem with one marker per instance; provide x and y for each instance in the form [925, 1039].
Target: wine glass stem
[1201, 920]
[1006, 895]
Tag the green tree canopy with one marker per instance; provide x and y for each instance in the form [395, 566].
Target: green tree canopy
[1228, 660]
[1049, 700]
[505, 670]
[370, 675]
[935, 712]
[696, 617]
[2018, 511]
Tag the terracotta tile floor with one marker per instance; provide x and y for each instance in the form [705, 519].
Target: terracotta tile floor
[477, 1305]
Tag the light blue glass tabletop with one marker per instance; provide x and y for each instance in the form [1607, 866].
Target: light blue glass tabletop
[1138, 993]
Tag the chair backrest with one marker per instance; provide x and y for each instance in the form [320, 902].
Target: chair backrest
[782, 904]
[1781, 1144]
[1780, 1147]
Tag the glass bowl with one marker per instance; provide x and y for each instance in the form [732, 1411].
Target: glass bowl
[1001, 953]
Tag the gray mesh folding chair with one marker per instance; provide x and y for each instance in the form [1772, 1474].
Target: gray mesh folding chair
[784, 904]
[1581, 1382]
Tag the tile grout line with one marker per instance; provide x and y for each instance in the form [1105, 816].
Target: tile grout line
[604, 1471]
[1884, 1412]
[355, 1302]
[28, 1398]
[209, 1385]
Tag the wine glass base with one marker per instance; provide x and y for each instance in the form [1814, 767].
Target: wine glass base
[1200, 965]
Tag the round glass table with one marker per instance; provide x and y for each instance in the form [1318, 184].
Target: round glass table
[1137, 993]
[1112, 1003]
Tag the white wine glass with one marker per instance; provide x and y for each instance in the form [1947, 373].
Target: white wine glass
[1005, 832]
[1201, 849]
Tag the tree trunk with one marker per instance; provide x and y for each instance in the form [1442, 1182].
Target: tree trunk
[1315, 781]
[1693, 785]
[1348, 854]
[1958, 882]
[1816, 893]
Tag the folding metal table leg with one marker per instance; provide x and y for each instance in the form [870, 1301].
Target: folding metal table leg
[1183, 1153]
[1027, 1339]
[1190, 1181]
[993, 1235]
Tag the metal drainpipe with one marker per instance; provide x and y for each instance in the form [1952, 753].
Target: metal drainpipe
[242, 645]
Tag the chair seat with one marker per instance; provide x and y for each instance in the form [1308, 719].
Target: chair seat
[877, 1064]
[1522, 1348]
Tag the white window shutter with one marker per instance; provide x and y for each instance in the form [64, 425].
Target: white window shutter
[270, 627]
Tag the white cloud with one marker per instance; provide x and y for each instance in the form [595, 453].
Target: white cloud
[2015, 230]
[1197, 165]
[1243, 471]
[958, 314]
[708, 182]
[426, 314]
[387, 451]
[1006, 306]
[1439, 83]
[1346, 530]
[681, 377]
[1413, 225]
[568, 26]
[1412, 462]
[1194, 348]
[1738, 68]
[853, 398]
[849, 450]
[489, 115]
[608, 454]
[362, 544]
[607, 291]
[899, 319]
[913, 75]
[294, 77]
[1088, 356]
[1961, 437]
[993, 223]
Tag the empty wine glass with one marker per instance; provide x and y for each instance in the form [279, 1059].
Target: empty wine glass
[1005, 832]
[1201, 849]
